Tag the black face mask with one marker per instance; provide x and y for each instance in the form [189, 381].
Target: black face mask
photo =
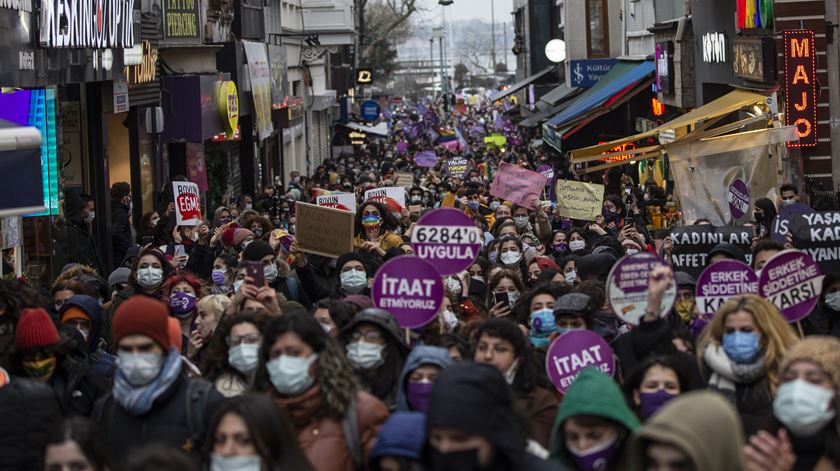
[758, 216]
[466, 460]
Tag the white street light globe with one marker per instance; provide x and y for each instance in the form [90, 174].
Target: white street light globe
[555, 50]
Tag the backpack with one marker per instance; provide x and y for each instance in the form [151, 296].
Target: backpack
[350, 426]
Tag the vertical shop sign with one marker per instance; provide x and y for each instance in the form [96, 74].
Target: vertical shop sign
[800, 86]
[260, 86]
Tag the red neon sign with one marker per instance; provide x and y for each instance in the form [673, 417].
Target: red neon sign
[801, 86]
[619, 148]
[657, 107]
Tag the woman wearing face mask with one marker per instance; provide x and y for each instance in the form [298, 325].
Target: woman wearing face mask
[222, 216]
[233, 356]
[182, 292]
[504, 226]
[764, 214]
[806, 405]
[333, 315]
[569, 269]
[260, 226]
[559, 244]
[537, 265]
[740, 352]
[499, 342]
[478, 278]
[654, 382]
[503, 292]
[421, 370]
[149, 270]
[577, 242]
[250, 433]
[44, 355]
[148, 223]
[593, 424]
[537, 312]
[375, 226]
[210, 311]
[511, 254]
[260, 251]
[223, 274]
[307, 375]
[825, 318]
[377, 352]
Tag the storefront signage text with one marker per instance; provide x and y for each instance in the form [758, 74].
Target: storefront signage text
[748, 58]
[19, 5]
[146, 71]
[627, 146]
[664, 67]
[180, 19]
[587, 72]
[800, 86]
[27, 60]
[87, 23]
[714, 48]
[228, 100]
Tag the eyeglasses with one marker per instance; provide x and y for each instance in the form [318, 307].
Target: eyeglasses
[249, 339]
[370, 336]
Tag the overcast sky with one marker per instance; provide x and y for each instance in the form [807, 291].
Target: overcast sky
[467, 9]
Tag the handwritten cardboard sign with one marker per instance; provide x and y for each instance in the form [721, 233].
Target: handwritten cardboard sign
[187, 203]
[337, 200]
[324, 231]
[517, 185]
[579, 200]
[391, 196]
[405, 179]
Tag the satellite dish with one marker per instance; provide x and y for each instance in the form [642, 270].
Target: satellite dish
[555, 50]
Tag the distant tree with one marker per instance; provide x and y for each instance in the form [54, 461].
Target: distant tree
[383, 24]
[501, 68]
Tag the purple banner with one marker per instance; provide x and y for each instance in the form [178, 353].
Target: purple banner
[572, 352]
[410, 289]
[627, 287]
[722, 280]
[792, 281]
[781, 225]
[738, 198]
[448, 239]
[426, 158]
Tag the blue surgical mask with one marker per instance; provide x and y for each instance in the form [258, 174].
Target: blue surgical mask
[741, 347]
[542, 326]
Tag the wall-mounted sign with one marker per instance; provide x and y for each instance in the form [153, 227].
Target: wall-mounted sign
[279, 70]
[665, 67]
[800, 86]
[180, 21]
[26, 60]
[753, 58]
[146, 70]
[714, 48]
[627, 146]
[587, 72]
[228, 100]
[95, 24]
[19, 5]
[364, 76]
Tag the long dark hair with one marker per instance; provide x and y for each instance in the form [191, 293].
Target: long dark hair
[681, 368]
[528, 376]
[389, 221]
[87, 436]
[341, 312]
[271, 432]
[215, 362]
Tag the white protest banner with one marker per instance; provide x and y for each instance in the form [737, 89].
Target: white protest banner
[187, 203]
[391, 196]
[342, 201]
[579, 200]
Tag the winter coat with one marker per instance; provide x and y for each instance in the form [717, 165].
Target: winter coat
[103, 362]
[81, 247]
[30, 412]
[322, 438]
[596, 394]
[120, 230]
[75, 385]
[166, 423]
[419, 356]
[539, 406]
[703, 424]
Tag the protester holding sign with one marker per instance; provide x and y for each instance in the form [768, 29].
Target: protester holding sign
[375, 225]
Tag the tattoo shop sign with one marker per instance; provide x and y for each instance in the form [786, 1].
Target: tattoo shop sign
[818, 234]
[692, 245]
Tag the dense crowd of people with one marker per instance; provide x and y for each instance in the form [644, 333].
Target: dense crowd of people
[225, 346]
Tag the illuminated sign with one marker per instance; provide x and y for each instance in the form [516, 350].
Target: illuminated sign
[800, 86]
[95, 24]
[619, 148]
[146, 70]
[228, 100]
[222, 137]
[364, 76]
[714, 48]
[664, 67]
[657, 107]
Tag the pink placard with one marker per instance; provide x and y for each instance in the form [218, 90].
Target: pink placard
[517, 185]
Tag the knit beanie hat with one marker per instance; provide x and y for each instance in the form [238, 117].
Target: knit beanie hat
[142, 315]
[119, 276]
[74, 312]
[349, 256]
[35, 329]
[822, 350]
[256, 250]
[235, 235]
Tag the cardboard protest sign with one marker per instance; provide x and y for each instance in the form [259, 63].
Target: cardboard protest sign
[517, 185]
[457, 167]
[187, 203]
[573, 351]
[448, 239]
[818, 234]
[738, 198]
[337, 200]
[722, 280]
[627, 287]
[579, 200]
[324, 231]
[404, 179]
[792, 281]
[391, 196]
[780, 228]
[692, 245]
[410, 289]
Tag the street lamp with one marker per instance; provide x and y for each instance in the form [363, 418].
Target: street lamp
[555, 51]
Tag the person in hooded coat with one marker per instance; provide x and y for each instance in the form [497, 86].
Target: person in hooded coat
[593, 403]
[419, 374]
[699, 430]
[81, 248]
[399, 443]
[80, 311]
[471, 424]
[825, 318]
[30, 412]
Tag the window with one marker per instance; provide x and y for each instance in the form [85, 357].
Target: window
[597, 28]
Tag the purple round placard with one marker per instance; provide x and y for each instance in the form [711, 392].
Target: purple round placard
[792, 281]
[627, 287]
[448, 239]
[410, 289]
[573, 351]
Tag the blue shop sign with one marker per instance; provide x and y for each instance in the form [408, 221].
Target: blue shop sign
[370, 110]
[585, 73]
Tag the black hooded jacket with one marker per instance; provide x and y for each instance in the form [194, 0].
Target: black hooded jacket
[81, 247]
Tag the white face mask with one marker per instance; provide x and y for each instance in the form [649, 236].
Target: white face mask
[510, 374]
[270, 272]
[577, 245]
[353, 281]
[364, 355]
[237, 284]
[513, 296]
[90, 217]
[631, 251]
[833, 300]
[139, 368]
[244, 357]
[453, 285]
[570, 277]
[235, 463]
[290, 375]
[803, 408]
[510, 257]
[450, 319]
[149, 277]
[327, 328]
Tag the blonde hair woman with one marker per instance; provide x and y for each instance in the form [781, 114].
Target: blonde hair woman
[740, 352]
[210, 311]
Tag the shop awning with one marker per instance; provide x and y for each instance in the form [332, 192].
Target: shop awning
[380, 129]
[624, 75]
[551, 109]
[561, 93]
[710, 113]
[521, 84]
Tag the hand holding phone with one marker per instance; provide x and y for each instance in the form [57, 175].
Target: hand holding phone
[254, 270]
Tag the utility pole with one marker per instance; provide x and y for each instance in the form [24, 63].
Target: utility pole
[493, 33]
[504, 46]
[432, 58]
